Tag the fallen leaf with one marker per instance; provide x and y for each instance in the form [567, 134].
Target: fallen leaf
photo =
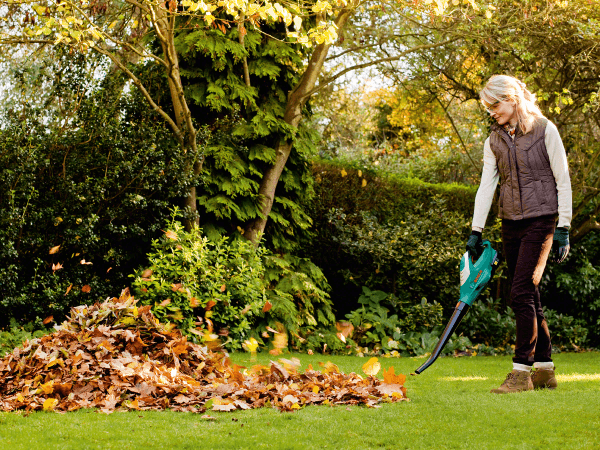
[47, 320]
[87, 288]
[171, 235]
[54, 250]
[84, 262]
[69, 289]
[223, 288]
[165, 302]
[267, 307]
[56, 267]
[194, 302]
[210, 304]
[228, 407]
[50, 404]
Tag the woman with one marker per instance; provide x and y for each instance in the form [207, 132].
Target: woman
[525, 152]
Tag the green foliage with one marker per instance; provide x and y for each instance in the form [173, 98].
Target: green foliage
[414, 259]
[190, 276]
[390, 197]
[572, 288]
[491, 323]
[247, 122]
[228, 288]
[86, 168]
[404, 332]
[14, 335]
[567, 332]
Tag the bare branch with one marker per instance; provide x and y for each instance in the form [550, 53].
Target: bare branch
[135, 80]
[375, 62]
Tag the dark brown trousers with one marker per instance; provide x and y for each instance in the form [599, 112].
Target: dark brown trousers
[527, 244]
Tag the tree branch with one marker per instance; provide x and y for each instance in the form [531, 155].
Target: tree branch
[375, 62]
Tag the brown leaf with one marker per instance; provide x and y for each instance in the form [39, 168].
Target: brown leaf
[267, 306]
[56, 267]
[223, 288]
[194, 302]
[69, 289]
[147, 273]
[210, 304]
[47, 320]
[345, 328]
[84, 262]
[54, 250]
[165, 302]
[171, 235]
[86, 289]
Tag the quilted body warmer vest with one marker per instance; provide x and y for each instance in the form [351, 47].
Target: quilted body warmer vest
[527, 184]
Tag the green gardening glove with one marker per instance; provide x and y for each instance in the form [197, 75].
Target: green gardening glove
[560, 246]
[475, 245]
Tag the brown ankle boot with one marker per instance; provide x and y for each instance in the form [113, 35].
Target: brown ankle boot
[543, 378]
[516, 381]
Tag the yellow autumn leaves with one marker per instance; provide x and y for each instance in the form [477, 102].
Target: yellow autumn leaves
[359, 173]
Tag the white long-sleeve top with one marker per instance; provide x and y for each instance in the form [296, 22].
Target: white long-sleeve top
[490, 177]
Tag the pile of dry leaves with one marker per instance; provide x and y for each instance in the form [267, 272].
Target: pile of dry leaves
[115, 356]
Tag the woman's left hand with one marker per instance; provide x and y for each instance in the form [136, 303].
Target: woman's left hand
[560, 246]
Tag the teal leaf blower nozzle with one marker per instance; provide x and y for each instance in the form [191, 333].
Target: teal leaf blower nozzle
[474, 277]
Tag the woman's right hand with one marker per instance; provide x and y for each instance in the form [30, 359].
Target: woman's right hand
[475, 245]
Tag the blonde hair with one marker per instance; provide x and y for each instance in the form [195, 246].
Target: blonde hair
[504, 87]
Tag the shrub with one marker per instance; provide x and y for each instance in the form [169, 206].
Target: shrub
[385, 322]
[229, 288]
[414, 259]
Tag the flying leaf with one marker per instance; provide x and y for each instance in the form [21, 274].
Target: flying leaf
[56, 267]
[371, 367]
[171, 235]
[69, 289]
[84, 262]
[267, 307]
[54, 250]
[87, 288]
[47, 320]
[390, 378]
[345, 328]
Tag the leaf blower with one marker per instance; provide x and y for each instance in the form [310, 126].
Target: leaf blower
[474, 277]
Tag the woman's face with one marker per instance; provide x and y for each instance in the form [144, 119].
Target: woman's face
[503, 112]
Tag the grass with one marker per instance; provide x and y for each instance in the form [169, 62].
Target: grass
[450, 408]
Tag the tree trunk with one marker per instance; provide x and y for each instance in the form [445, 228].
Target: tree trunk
[183, 117]
[293, 114]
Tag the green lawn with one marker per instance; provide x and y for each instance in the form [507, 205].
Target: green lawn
[450, 407]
